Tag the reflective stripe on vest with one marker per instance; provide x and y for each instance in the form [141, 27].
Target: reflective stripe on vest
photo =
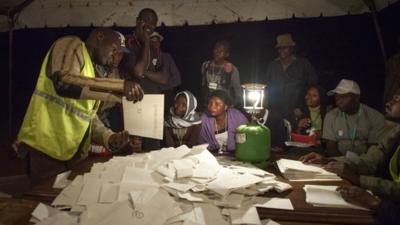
[56, 125]
[61, 103]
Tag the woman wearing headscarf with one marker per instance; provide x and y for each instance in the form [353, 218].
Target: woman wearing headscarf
[183, 124]
[219, 123]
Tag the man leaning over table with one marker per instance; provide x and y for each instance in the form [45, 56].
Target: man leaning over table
[377, 170]
[61, 117]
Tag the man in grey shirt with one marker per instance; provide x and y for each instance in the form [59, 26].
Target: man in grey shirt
[351, 127]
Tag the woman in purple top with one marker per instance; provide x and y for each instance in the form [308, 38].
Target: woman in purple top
[219, 123]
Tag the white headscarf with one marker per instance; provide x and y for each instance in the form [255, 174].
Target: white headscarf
[190, 118]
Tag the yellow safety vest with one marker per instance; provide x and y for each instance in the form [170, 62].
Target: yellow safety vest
[56, 125]
[394, 165]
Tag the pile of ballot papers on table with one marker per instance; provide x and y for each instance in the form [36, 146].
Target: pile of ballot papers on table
[172, 186]
[327, 196]
[294, 170]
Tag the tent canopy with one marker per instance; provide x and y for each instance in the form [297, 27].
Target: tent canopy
[61, 13]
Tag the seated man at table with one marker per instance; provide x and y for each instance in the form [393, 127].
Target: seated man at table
[377, 170]
[351, 127]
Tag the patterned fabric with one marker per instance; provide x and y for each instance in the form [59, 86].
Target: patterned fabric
[190, 118]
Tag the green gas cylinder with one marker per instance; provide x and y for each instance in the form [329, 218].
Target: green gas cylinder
[253, 144]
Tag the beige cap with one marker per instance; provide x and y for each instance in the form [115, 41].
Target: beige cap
[156, 34]
[121, 38]
[344, 87]
[284, 40]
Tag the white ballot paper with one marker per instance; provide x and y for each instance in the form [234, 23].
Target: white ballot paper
[145, 118]
[62, 180]
[273, 203]
[327, 196]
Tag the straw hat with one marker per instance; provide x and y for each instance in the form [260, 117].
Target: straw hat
[284, 40]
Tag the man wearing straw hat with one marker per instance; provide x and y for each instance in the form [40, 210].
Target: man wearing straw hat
[288, 77]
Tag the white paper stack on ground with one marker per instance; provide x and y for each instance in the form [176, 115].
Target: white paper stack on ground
[294, 170]
[327, 196]
[179, 186]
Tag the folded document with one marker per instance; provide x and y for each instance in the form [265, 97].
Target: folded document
[295, 170]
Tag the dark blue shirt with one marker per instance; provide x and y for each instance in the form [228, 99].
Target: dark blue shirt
[287, 89]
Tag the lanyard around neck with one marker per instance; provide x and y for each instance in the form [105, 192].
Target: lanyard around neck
[352, 132]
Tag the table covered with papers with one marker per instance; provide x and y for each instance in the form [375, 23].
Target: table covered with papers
[182, 186]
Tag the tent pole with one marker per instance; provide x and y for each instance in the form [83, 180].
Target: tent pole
[10, 68]
[372, 8]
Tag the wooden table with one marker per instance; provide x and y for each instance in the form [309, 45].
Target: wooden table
[44, 192]
[303, 214]
[16, 211]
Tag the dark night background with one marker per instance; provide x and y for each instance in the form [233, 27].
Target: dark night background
[338, 47]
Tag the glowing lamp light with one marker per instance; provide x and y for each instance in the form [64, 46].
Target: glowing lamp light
[253, 97]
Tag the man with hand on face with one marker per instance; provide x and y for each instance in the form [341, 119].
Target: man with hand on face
[61, 117]
[137, 65]
[378, 170]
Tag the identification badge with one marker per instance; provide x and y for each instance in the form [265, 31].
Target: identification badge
[212, 85]
[240, 138]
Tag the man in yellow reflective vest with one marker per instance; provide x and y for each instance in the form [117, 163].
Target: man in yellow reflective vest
[61, 117]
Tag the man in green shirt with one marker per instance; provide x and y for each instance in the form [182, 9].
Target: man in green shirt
[377, 169]
[351, 127]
